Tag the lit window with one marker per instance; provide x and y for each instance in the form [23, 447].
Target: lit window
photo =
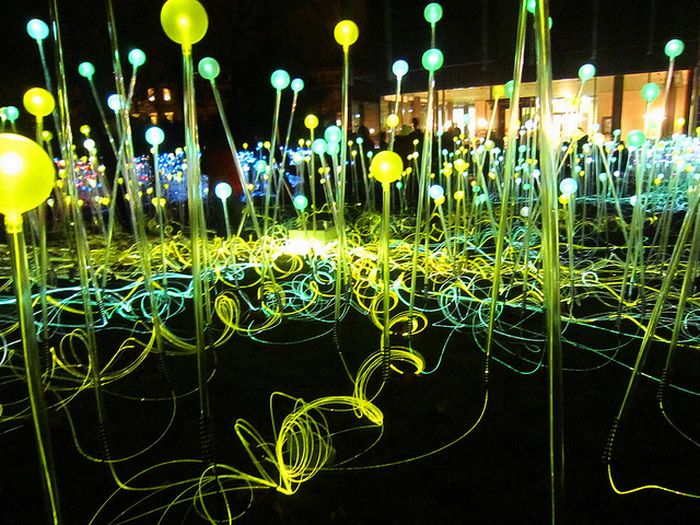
[154, 118]
[167, 95]
[170, 116]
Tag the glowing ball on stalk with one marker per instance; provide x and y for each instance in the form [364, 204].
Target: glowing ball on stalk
[113, 102]
[223, 190]
[279, 79]
[311, 122]
[209, 68]
[12, 113]
[319, 146]
[136, 57]
[86, 70]
[155, 136]
[392, 120]
[432, 59]
[297, 85]
[300, 202]
[333, 134]
[432, 13]
[333, 148]
[37, 29]
[650, 92]
[530, 6]
[39, 102]
[674, 48]
[85, 130]
[586, 72]
[568, 186]
[346, 33]
[508, 88]
[26, 176]
[386, 167]
[400, 68]
[635, 138]
[185, 22]
[436, 192]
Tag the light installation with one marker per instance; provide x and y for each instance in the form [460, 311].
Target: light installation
[467, 236]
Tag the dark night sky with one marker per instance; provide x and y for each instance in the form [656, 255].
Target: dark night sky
[251, 38]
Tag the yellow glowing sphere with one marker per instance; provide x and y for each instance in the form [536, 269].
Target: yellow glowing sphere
[311, 121]
[39, 102]
[499, 91]
[185, 22]
[85, 129]
[26, 176]
[386, 167]
[346, 33]
[392, 120]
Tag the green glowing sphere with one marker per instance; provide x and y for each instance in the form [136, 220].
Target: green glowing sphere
[297, 85]
[432, 59]
[333, 148]
[508, 88]
[38, 102]
[12, 113]
[635, 138]
[436, 192]
[311, 121]
[530, 6]
[319, 146]
[432, 13]
[155, 136]
[586, 72]
[223, 190]
[136, 57]
[400, 68]
[26, 175]
[300, 202]
[650, 91]
[113, 102]
[386, 167]
[209, 68]
[185, 22]
[346, 33]
[333, 134]
[674, 48]
[279, 79]
[86, 69]
[37, 29]
[568, 186]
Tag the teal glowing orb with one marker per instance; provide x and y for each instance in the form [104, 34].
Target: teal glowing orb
[674, 48]
[223, 190]
[209, 68]
[650, 92]
[333, 148]
[432, 13]
[508, 88]
[586, 72]
[530, 6]
[436, 192]
[400, 68]
[319, 146]
[12, 113]
[297, 85]
[136, 57]
[301, 202]
[568, 186]
[86, 70]
[37, 29]
[432, 59]
[279, 79]
[155, 136]
[635, 138]
[333, 134]
[114, 103]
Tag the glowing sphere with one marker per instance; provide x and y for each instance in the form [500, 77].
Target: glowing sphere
[392, 120]
[360, 141]
[37, 29]
[568, 186]
[530, 6]
[508, 88]
[525, 211]
[498, 91]
[297, 85]
[47, 135]
[650, 91]
[185, 22]
[39, 102]
[12, 113]
[432, 59]
[209, 68]
[113, 102]
[279, 79]
[400, 68]
[333, 134]
[223, 190]
[85, 129]
[598, 139]
[136, 57]
[346, 33]
[333, 148]
[432, 13]
[586, 72]
[386, 167]
[86, 69]
[26, 175]
[260, 166]
[635, 138]
[89, 144]
[319, 146]
[155, 136]
[300, 202]
[436, 192]
[674, 48]
[311, 121]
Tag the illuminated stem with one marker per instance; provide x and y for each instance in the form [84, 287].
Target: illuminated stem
[32, 364]
[272, 163]
[103, 117]
[386, 290]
